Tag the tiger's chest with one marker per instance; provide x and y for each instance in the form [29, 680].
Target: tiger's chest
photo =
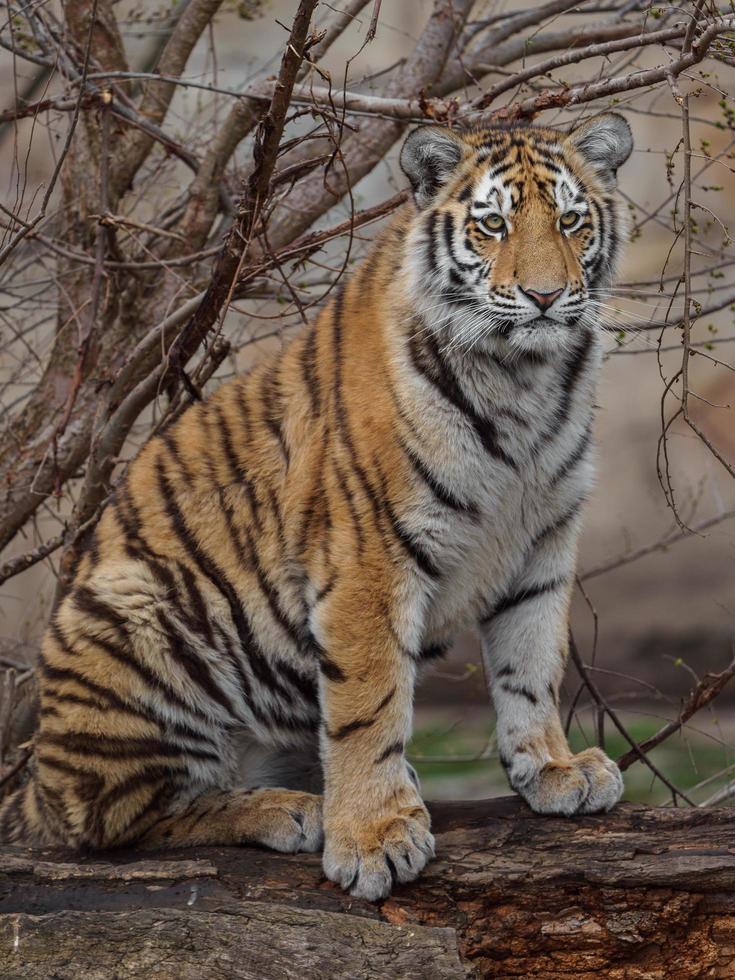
[540, 474]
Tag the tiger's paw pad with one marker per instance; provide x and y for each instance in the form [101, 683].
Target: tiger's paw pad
[368, 861]
[292, 822]
[589, 782]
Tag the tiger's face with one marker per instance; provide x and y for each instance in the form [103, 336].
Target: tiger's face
[518, 231]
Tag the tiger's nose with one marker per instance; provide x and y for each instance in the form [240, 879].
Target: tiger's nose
[542, 300]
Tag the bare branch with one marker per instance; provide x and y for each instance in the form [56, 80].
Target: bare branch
[660, 545]
[703, 694]
[229, 262]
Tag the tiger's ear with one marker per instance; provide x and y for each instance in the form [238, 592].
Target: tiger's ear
[605, 142]
[428, 157]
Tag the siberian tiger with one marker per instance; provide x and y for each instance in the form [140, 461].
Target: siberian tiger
[279, 562]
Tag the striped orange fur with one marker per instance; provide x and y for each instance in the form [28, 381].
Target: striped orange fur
[258, 596]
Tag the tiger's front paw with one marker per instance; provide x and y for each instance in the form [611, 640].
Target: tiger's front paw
[589, 782]
[367, 858]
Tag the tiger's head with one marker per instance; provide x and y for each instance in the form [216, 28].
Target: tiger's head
[517, 232]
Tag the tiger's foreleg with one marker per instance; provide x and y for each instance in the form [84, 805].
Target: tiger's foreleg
[375, 823]
[525, 645]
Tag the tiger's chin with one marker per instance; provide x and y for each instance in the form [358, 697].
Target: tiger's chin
[542, 336]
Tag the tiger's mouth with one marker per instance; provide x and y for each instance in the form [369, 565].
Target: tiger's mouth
[542, 335]
[507, 327]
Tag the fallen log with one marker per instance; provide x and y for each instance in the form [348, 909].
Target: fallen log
[638, 893]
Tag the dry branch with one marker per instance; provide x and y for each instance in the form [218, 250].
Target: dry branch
[703, 694]
[234, 251]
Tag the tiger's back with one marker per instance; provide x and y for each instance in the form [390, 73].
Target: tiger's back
[280, 560]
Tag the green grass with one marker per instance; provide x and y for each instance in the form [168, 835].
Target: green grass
[700, 752]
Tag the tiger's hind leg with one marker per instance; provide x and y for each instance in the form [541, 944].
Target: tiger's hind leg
[281, 819]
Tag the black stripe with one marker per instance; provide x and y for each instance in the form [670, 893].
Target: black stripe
[156, 683]
[292, 630]
[570, 376]
[12, 826]
[275, 508]
[574, 457]
[431, 255]
[112, 747]
[272, 402]
[154, 776]
[308, 516]
[378, 505]
[87, 602]
[515, 599]
[414, 548]
[490, 153]
[558, 525]
[395, 749]
[522, 692]
[240, 390]
[445, 381]
[309, 368]
[158, 800]
[341, 411]
[344, 730]
[347, 494]
[130, 521]
[69, 697]
[303, 683]
[299, 637]
[434, 652]
[499, 169]
[448, 231]
[85, 776]
[168, 438]
[386, 700]
[442, 494]
[327, 587]
[601, 255]
[239, 475]
[199, 614]
[612, 241]
[510, 413]
[365, 277]
[331, 670]
[39, 799]
[114, 701]
[210, 569]
[195, 666]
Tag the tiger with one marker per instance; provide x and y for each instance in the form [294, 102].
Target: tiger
[234, 660]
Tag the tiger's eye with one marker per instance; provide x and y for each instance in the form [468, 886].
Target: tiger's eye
[569, 219]
[493, 223]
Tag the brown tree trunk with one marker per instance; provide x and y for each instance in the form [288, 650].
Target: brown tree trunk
[639, 893]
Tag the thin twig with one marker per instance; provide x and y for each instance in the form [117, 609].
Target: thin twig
[703, 694]
[660, 545]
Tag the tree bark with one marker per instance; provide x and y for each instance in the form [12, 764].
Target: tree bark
[638, 893]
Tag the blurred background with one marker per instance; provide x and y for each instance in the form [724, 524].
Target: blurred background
[649, 626]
